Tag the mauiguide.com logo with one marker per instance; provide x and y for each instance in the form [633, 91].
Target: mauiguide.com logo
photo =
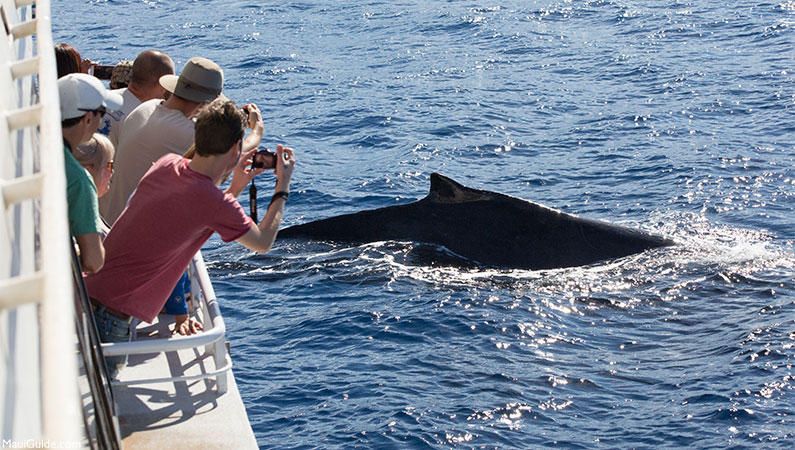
[36, 443]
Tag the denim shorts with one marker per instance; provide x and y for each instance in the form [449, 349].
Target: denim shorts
[112, 329]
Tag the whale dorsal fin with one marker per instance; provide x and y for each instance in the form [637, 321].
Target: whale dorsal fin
[445, 190]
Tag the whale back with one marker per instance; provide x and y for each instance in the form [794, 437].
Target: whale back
[486, 227]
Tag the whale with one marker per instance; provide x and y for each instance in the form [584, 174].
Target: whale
[487, 228]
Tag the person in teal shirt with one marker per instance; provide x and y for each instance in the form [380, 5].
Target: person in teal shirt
[84, 101]
[81, 195]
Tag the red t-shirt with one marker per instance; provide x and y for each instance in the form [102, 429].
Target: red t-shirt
[171, 215]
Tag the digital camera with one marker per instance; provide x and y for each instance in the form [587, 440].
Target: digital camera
[264, 159]
[102, 72]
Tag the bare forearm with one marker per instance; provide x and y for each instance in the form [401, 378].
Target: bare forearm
[92, 252]
[269, 226]
[252, 140]
[236, 187]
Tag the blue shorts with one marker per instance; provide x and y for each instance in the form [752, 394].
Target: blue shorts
[176, 303]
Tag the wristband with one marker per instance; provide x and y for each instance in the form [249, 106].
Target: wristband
[281, 194]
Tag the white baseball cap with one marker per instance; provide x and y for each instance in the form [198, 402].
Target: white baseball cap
[81, 93]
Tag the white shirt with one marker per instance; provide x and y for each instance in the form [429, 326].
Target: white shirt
[111, 124]
[150, 131]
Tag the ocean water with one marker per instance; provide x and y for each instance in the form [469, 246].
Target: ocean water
[675, 117]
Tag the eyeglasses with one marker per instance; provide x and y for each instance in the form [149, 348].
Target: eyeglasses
[101, 110]
[110, 165]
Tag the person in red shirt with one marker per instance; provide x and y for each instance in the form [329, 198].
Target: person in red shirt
[175, 209]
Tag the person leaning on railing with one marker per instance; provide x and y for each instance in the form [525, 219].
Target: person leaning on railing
[174, 211]
[83, 102]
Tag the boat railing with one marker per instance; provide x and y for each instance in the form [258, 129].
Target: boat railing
[38, 367]
[212, 339]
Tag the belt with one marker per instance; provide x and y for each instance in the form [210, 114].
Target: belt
[117, 314]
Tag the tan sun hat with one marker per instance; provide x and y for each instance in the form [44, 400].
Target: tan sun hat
[201, 81]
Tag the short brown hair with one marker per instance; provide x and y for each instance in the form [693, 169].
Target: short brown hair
[218, 126]
[69, 123]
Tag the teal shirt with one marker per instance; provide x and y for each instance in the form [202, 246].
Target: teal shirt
[81, 195]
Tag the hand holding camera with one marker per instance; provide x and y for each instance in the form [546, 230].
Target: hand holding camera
[262, 159]
[283, 161]
[266, 159]
[253, 118]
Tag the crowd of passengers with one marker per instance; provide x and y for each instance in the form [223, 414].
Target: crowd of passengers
[144, 163]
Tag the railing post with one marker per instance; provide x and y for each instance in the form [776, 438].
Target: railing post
[198, 297]
[218, 348]
[220, 356]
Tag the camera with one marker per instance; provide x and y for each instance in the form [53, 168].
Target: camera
[264, 159]
[102, 72]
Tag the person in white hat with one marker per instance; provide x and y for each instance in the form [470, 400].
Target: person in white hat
[84, 101]
[156, 128]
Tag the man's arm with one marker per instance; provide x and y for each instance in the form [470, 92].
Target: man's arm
[92, 252]
[243, 176]
[260, 237]
[254, 123]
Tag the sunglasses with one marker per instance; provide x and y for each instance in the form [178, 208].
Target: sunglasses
[110, 165]
[101, 111]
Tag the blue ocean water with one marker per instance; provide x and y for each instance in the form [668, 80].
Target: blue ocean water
[676, 117]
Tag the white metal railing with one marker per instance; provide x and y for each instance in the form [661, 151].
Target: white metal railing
[36, 271]
[213, 339]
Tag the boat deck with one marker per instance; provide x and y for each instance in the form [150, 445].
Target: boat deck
[178, 415]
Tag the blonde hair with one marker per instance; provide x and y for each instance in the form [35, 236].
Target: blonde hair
[95, 152]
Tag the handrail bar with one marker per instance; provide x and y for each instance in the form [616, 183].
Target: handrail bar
[215, 335]
[225, 368]
[161, 345]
